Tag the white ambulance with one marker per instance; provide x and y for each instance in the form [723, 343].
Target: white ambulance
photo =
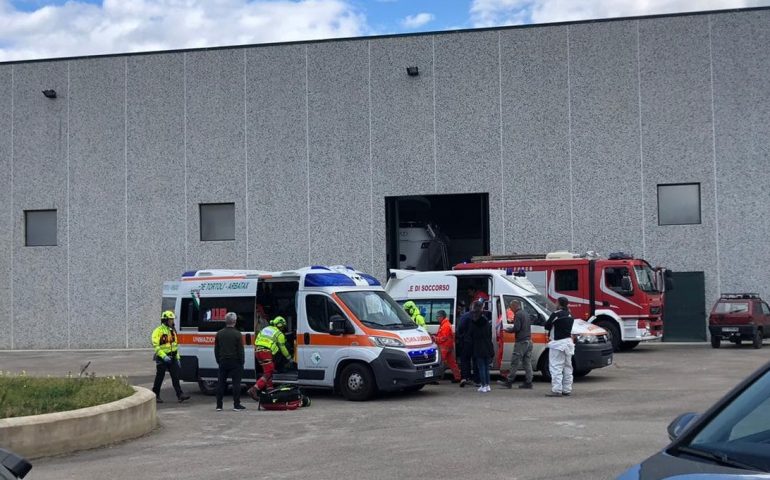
[449, 290]
[343, 330]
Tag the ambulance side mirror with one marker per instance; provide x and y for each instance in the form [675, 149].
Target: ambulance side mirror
[337, 325]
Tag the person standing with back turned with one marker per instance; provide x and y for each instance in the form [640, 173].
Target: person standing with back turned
[560, 350]
[229, 353]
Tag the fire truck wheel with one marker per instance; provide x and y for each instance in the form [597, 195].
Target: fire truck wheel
[613, 332]
[207, 387]
[716, 341]
[758, 337]
[626, 346]
[357, 382]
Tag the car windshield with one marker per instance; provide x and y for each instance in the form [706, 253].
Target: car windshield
[740, 433]
[376, 309]
[645, 278]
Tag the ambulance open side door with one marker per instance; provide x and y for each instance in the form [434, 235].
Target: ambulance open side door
[431, 293]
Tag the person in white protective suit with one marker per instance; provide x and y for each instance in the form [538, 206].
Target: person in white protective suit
[560, 348]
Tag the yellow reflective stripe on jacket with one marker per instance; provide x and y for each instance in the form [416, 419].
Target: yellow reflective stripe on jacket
[273, 339]
[164, 341]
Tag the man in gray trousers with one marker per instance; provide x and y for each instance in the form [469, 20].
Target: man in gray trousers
[522, 349]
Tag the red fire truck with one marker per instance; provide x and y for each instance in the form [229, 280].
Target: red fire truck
[622, 294]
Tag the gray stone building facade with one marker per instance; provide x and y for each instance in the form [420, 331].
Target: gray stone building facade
[569, 129]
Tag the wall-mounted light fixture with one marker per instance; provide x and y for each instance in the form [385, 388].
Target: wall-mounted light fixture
[49, 93]
[412, 71]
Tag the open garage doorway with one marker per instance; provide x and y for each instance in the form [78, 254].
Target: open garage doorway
[434, 232]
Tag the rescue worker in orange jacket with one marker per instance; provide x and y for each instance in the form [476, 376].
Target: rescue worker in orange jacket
[445, 339]
[268, 343]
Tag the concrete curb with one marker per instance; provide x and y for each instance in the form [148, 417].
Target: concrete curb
[66, 432]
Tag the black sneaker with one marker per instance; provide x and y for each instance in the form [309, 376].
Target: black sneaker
[219, 409]
[566, 394]
[158, 400]
[463, 382]
[553, 394]
[527, 386]
[239, 408]
[505, 383]
[183, 397]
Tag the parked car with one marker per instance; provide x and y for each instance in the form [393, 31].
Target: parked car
[737, 317]
[731, 440]
[12, 466]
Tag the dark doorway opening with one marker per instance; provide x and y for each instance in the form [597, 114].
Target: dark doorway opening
[684, 311]
[435, 232]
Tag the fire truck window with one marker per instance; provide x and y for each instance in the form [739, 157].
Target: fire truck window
[209, 314]
[613, 277]
[566, 280]
[319, 309]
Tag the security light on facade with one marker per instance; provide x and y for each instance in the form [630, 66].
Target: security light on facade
[49, 93]
[412, 71]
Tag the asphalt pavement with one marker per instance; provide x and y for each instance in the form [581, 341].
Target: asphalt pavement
[616, 417]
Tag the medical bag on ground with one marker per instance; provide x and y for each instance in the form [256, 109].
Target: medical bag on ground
[282, 397]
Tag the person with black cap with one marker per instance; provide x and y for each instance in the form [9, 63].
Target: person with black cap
[560, 350]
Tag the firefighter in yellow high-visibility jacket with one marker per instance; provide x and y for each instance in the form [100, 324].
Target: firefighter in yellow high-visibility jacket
[164, 341]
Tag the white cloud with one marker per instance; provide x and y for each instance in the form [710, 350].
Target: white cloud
[488, 13]
[414, 21]
[78, 28]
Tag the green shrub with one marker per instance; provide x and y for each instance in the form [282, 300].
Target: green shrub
[21, 395]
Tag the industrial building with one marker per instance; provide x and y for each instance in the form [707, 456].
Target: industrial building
[644, 135]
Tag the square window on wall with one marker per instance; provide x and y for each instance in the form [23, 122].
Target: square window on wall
[40, 228]
[217, 221]
[679, 204]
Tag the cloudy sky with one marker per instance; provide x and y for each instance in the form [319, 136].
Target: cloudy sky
[32, 29]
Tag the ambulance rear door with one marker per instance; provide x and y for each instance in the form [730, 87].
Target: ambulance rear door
[169, 298]
[431, 292]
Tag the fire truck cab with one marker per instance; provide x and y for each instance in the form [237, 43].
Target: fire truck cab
[621, 294]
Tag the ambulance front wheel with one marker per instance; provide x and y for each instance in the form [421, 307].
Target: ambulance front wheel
[357, 382]
[207, 387]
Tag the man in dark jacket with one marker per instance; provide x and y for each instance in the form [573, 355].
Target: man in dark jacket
[560, 350]
[522, 349]
[465, 342]
[483, 348]
[229, 353]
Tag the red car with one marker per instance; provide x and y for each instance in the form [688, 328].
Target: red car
[737, 317]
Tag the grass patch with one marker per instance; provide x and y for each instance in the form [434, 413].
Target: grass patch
[21, 395]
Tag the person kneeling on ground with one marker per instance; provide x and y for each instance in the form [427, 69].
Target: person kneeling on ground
[269, 342]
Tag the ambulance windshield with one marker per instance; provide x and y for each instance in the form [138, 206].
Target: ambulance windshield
[547, 306]
[376, 309]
